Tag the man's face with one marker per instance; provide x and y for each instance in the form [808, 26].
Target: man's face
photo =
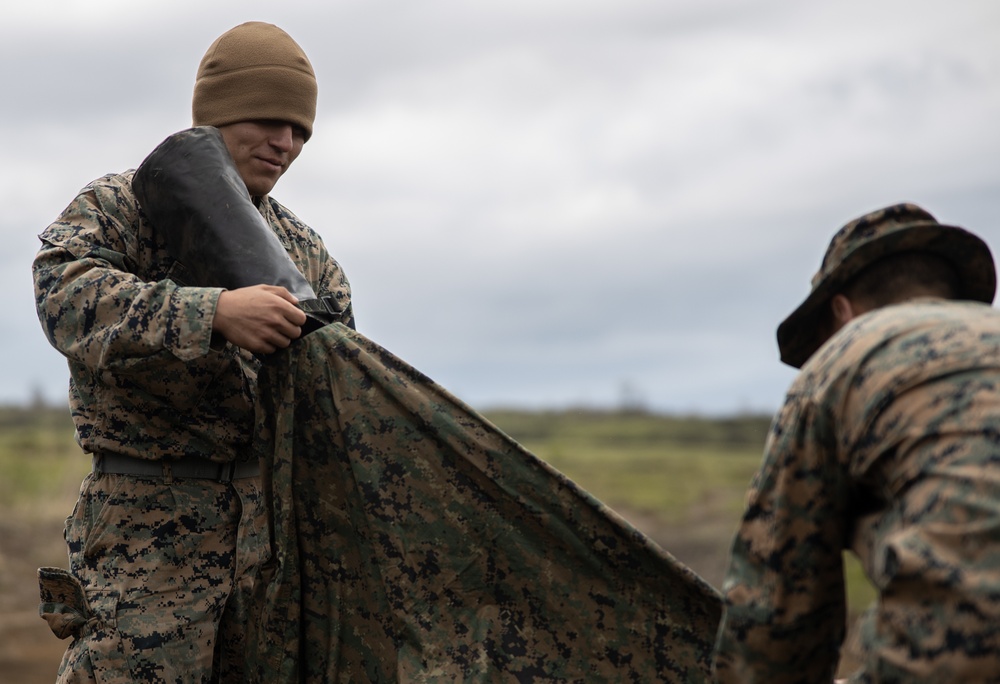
[262, 150]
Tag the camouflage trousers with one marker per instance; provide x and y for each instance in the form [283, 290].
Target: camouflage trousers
[166, 571]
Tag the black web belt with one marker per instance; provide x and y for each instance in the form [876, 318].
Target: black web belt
[190, 467]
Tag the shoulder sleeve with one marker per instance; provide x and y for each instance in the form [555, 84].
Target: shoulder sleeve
[93, 305]
[784, 607]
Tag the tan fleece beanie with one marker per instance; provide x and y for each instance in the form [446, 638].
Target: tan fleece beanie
[255, 71]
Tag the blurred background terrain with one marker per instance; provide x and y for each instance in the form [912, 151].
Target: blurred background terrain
[679, 479]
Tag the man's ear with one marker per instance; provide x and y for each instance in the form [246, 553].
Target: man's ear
[843, 311]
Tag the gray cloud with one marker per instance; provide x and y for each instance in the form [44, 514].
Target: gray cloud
[543, 203]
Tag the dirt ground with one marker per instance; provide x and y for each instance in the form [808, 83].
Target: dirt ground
[29, 652]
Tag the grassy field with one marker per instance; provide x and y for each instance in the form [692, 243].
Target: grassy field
[40, 472]
[680, 480]
[650, 464]
[39, 461]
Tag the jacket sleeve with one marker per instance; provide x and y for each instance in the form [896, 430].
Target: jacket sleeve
[784, 612]
[93, 306]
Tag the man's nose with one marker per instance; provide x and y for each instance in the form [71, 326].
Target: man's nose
[282, 137]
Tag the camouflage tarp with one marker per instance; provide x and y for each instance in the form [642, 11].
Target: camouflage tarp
[416, 542]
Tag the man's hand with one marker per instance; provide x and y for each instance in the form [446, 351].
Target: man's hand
[260, 319]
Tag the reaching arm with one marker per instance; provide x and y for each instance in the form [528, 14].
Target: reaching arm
[784, 609]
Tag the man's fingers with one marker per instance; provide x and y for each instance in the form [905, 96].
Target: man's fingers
[281, 292]
[292, 314]
[283, 338]
[296, 317]
[261, 318]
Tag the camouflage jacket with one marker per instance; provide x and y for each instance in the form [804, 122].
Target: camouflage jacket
[146, 377]
[888, 445]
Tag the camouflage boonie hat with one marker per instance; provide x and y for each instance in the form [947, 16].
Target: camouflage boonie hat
[865, 240]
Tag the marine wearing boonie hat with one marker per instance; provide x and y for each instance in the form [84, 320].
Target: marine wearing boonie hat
[255, 71]
[894, 229]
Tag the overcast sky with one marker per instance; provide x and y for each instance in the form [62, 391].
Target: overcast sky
[540, 203]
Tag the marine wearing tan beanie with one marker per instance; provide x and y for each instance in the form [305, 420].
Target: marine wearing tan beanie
[255, 71]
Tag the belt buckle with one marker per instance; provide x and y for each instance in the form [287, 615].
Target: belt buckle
[227, 471]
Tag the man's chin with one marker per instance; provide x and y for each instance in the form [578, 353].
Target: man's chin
[260, 189]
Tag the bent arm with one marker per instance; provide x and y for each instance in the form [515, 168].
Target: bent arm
[93, 305]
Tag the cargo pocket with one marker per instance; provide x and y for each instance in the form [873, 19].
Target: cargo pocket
[63, 604]
[89, 619]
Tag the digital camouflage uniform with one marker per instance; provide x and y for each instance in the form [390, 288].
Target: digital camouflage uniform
[888, 445]
[164, 562]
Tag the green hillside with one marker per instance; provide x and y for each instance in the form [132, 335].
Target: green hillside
[646, 463]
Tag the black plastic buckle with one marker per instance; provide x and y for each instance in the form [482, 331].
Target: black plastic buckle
[227, 471]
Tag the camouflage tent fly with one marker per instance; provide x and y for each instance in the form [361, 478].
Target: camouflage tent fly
[414, 541]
